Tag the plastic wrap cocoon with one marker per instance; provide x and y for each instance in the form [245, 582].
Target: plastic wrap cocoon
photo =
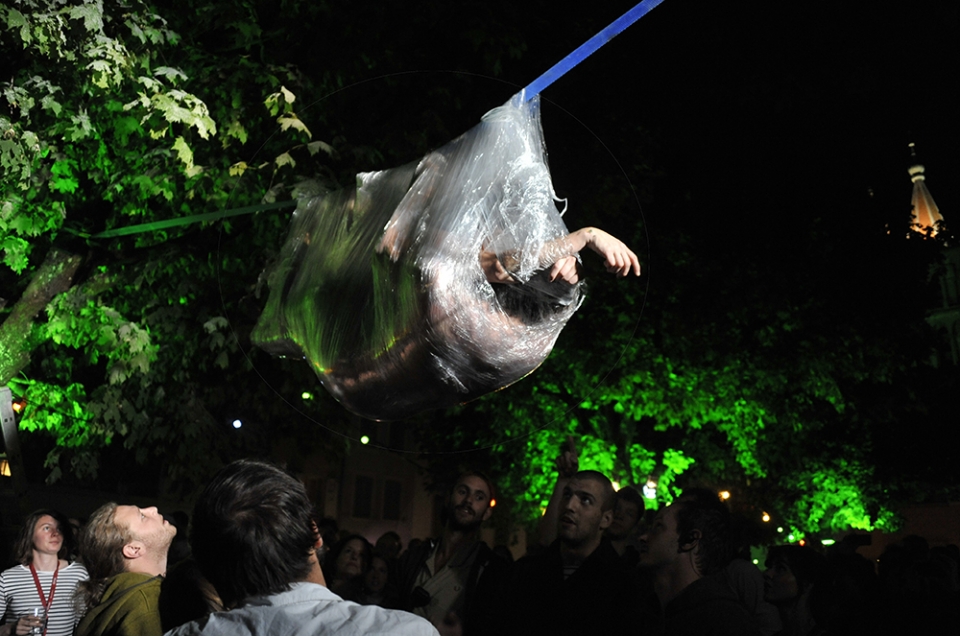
[381, 288]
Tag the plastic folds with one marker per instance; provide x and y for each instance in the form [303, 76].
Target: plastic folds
[381, 287]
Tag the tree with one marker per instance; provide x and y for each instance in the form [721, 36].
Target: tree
[763, 385]
[119, 337]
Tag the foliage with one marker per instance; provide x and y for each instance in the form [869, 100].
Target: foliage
[105, 127]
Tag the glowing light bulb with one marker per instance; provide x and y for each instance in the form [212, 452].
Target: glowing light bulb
[237, 423]
[765, 517]
[724, 494]
[650, 489]
[365, 439]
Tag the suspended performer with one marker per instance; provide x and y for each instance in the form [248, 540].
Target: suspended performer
[436, 282]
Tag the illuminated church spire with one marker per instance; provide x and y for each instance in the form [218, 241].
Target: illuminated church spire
[925, 210]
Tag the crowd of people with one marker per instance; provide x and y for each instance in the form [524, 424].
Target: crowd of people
[259, 561]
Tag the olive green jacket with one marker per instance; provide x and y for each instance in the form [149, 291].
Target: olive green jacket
[129, 607]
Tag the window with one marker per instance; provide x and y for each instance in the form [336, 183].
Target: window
[391, 499]
[363, 497]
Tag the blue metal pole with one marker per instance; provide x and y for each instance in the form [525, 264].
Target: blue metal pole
[588, 47]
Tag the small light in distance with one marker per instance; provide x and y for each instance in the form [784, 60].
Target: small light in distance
[650, 489]
[306, 395]
[827, 541]
[493, 503]
[365, 439]
[766, 517]
[237, 423]
[724, 494]
[616, 485]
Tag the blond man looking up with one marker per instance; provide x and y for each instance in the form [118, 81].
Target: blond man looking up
[125, 551]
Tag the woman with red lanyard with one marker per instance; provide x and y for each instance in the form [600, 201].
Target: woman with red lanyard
[37, 595]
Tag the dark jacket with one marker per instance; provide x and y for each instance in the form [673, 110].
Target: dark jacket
[708, 607]
[484, 583]
[600, 597]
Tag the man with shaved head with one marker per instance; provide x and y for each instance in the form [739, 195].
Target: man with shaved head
[577, 585]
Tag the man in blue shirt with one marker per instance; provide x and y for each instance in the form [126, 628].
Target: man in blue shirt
[255, 541]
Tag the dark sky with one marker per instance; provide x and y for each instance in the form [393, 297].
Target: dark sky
[805, 103]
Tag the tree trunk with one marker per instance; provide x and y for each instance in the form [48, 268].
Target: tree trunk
[53, 277]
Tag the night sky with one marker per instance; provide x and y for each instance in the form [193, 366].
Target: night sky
[751, 118]
[798, 100]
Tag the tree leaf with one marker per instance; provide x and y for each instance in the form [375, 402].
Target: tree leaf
[285, 160]
[290, 120]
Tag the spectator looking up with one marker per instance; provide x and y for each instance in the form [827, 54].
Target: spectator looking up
[125, 550]
[44, 578]
[577, 585]
[685, 548]
[255, 540]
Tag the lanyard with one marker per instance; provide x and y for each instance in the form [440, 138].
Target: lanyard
[45, 601]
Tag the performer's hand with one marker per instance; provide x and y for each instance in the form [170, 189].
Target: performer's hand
[620, 259]
[493, 269]
[566, 269]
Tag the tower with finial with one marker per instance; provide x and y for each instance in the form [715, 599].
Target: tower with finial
[926, 214]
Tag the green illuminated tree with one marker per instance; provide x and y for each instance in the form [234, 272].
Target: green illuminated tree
[103, 127]
[762, 385]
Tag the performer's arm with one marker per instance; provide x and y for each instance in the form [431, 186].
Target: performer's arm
[559, 255]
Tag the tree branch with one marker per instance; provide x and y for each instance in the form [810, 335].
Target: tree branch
[53, 277]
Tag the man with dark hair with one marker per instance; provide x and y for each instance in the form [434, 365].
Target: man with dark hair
[577, 585]
[125, 551]
[451, 581]
[256, 542]
[627, 510]
[389, 546]
[686, 548]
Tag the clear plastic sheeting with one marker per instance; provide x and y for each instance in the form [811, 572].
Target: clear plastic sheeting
[381, 287]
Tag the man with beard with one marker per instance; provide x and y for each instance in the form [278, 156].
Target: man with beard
[125, 551]
[578, 584]
[451, 581]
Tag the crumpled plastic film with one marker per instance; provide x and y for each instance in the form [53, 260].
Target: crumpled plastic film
[380, 288]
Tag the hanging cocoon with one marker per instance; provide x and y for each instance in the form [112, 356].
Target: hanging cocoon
[380, 287]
